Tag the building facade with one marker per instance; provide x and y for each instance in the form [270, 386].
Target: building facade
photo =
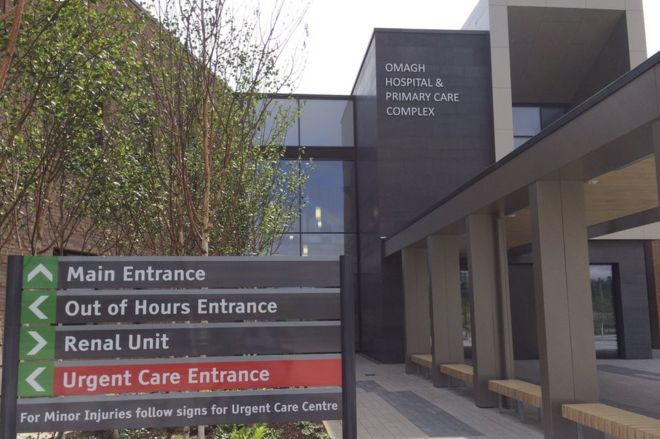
[432, 110]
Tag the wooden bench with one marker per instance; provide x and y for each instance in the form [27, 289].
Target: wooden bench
[611, 420]
[424, 360]
[462, 372]
[520, 391]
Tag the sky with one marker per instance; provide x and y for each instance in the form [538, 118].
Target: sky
[338, 32]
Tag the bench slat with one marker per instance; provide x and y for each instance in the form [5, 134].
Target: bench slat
[614, 421]
[463, 372]
[424, 360]
[519, 390]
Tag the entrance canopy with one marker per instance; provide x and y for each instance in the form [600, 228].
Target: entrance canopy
[607, 142]
[591, 173]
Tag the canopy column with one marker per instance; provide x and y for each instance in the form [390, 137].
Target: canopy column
[563, 302]
[487, 280]
[445, 300]
[416, 303]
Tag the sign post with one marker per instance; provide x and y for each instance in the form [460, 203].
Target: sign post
[95, 343]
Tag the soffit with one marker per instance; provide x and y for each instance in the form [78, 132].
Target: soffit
[553, 49]
[613, 195]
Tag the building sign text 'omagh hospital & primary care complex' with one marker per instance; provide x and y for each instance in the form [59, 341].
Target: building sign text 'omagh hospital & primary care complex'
[96, 343]
[411, 92]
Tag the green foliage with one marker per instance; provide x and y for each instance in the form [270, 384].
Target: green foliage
[315, 430]
[132, 138]
[134, 433]
[71, 141]
[221, 188]
[243, 432]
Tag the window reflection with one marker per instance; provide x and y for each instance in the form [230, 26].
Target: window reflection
[528, 121]
[288, 245]
[327, 196]
[327, 244]
[604, 310]
[327, 122]
[281, 114]
[551, 114]
[292, 166]
[602, 293]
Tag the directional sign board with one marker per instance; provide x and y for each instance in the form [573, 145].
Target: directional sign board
[104, 343]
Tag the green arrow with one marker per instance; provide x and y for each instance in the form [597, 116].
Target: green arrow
[40, 272]
[37, 343]
[35, 379]
[38, 307]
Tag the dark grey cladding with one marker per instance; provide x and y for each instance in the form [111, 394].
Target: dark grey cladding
[414, 146]
[630, 298]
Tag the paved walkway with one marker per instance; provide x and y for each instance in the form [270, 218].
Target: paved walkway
[393, 405]
[628, 384]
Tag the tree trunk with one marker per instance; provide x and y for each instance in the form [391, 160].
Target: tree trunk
[11, 43]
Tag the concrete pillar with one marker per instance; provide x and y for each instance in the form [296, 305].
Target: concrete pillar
[416, 303]
[445, 300]
[504, 304]
[564, 310]
[484, 268]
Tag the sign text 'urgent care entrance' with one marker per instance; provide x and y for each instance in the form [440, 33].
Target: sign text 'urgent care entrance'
[97, 343]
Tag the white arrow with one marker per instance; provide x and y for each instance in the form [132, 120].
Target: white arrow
[35, 308]
[31, 380]
[41, 342]
[40, 269]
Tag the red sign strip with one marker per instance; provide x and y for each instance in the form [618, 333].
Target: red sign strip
[181, 377]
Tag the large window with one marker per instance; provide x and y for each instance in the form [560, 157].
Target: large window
[326, 122]
[328, 197]
[605, 327]
[281, 122]
[310, 122]
[327, 219]
[326, 224]
[604, 310]
[528, 121]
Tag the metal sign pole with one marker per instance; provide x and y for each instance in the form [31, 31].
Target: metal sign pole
[349, 411]
[10, 350]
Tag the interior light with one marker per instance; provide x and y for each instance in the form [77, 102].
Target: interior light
[318, 214]
[291, 237]
[319, 224]
[305, 250]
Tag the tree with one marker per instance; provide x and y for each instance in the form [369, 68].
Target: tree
[11, 40]
[14, 17]
[70, 133]
[222, 189]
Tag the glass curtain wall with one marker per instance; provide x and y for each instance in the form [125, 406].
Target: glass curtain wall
[604, 310]
[326, 225]
[605, 324]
